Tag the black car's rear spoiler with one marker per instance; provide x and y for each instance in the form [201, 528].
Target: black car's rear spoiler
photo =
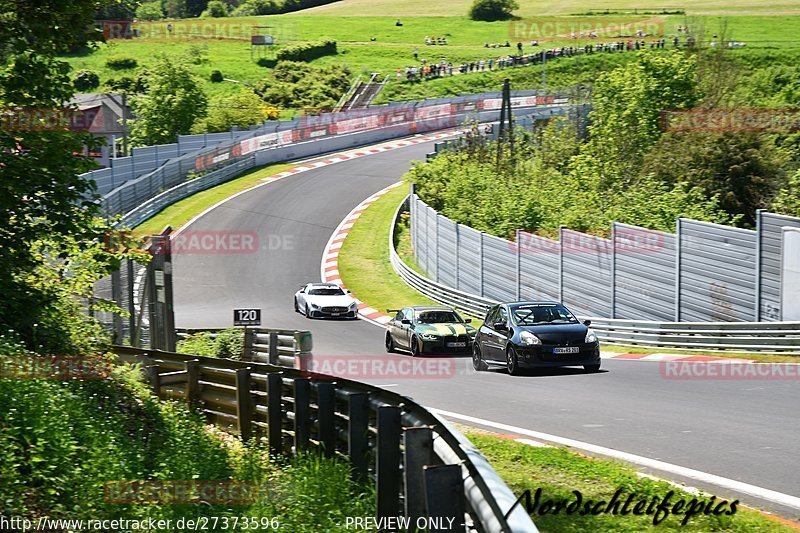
[393, 310]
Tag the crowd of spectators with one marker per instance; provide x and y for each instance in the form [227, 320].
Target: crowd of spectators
[444, 67]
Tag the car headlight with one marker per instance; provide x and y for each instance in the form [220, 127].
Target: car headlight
[472, 332]
[354, 305]
[429, 336]
[590, 336]
[526, 337]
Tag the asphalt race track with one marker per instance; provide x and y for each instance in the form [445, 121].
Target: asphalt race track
[745, 430]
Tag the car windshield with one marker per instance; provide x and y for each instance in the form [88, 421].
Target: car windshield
[438, 317]
[326, 291]
[529, 315]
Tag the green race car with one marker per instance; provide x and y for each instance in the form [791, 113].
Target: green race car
[428, 329]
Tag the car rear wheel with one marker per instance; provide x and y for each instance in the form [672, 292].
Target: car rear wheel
[591, 369]
[414, 346]
[512, 365]
[389, 343]
[477, 358]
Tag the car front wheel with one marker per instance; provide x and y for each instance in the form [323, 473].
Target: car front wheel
[477, 358]
[308, 312]
[414, 346]
[512, 365]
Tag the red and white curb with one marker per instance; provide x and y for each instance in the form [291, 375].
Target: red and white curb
[329, 269]
[362, 152]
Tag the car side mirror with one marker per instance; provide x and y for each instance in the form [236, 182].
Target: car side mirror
[468, 321]
[347, 292]
[405, 321]
[587, 322]
[500, 326]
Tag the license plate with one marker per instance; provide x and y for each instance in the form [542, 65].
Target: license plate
[335, 314]
[567, 349]
[456, 344]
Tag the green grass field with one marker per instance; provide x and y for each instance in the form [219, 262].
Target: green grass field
[223, 44]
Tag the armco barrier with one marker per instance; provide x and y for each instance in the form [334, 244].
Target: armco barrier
[266, 345]
[768, 337]
[281, 141]
[421, 466]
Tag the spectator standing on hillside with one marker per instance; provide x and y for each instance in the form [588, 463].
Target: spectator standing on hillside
[416, 54]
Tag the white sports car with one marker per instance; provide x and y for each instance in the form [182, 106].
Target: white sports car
[316, 300]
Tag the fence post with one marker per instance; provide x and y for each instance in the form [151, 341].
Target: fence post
[417, 454]
[116, 297]
[613, 270]
[444, 496]
[387, 467]
[273, 348]
[275, 412]
[302, 387]
[249, 340]
[561, 264]
[326, 417]
[438, 248]
[678, 269]
[192, 382]
[757, 310]
[303, 344]
[244, 403]
[458, 254]
[519, 263]
[480, 256]
[358, 416]
[131, 305]
[154, 378]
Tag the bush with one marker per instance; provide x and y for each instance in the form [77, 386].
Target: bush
[227, 344]
[150, 11]
[242, 109]
[491, 10]
[86, 80]
[216, 76]
[293, 84]
[215, 9]
[307, 51]
[121, 63]
[252, 8]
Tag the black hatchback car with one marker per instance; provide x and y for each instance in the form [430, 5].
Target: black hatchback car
[534, 335]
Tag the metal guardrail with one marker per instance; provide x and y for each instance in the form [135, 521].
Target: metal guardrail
[272, 346]
[421, 465]
[764, 337]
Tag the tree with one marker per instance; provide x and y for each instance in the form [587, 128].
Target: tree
[743, 170]
[625, 120]
[150, 11]
[788, 200]
[216, 9]
[47, 211]
[242, 109]
[491, 10]
[86, 80]
[173, 102]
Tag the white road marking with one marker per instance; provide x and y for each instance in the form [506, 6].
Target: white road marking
[712, 479]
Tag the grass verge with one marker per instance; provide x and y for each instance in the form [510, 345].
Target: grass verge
[364, 258]
[559, 471]
[179, 213]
